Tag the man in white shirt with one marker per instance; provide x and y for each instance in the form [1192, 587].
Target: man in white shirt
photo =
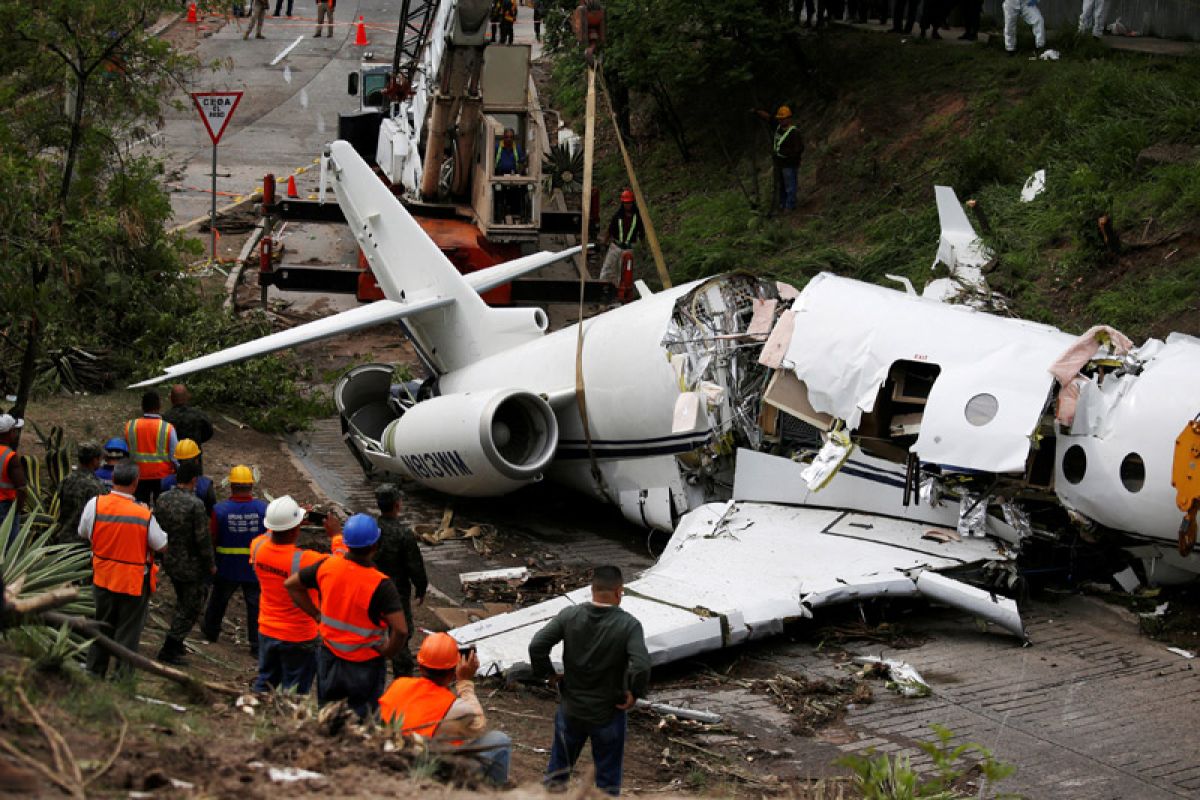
[124, 537]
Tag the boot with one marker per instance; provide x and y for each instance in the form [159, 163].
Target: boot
[173, 652]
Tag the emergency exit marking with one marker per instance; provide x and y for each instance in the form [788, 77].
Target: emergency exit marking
[216, 109]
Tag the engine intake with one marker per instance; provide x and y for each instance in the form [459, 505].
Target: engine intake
[475, 444]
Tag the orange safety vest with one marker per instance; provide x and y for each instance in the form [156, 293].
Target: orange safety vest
[8, 490]
[510, 11]
[120, 550]
[278, 616]
[419, 702]
[337, 545]
[148, 439]
[346, 589]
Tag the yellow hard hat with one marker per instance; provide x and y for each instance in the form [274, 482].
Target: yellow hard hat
[783, 112]
[186, 449]
[241, 474]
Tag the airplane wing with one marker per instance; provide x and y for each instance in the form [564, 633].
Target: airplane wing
[738, 571]
[485, 279]
[355, 319]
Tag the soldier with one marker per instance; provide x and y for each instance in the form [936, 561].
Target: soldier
[188, 561]
[75, 491]
[190, 423]
[187, 450]
[399, 558]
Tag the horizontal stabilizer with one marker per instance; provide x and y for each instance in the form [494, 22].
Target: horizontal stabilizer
[490, 278]
[355, 319]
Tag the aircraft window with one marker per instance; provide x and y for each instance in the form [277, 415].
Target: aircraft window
[1074, 464]
[981, 409]
[1133, 472]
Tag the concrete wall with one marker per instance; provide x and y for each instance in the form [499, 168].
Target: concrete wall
[1169, 19]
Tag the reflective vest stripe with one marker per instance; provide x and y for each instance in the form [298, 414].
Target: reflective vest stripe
[8, 490]
[349, 648]
[258, 546]
[622, 237]
[516, 151]
[781, 137]
[149, 452]
[370, 633]
[295, 563]
[233, 551]
[123, 518]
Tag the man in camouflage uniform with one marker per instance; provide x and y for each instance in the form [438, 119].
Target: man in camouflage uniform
[188, 561]
[74, 492]
[190, 423]
[399, 557]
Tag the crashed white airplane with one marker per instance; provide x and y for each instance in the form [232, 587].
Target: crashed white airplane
[841, 442]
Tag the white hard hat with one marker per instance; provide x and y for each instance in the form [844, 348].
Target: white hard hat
[283, 514]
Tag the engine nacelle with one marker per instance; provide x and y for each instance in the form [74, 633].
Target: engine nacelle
[475, 444]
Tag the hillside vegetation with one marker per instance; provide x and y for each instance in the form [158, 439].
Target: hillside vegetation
[885, 121]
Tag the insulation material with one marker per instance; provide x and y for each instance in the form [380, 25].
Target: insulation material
[972, 515]
[733, 572]
[848, 335]
[687, 416]
[828, 461]
[1075, 357]
[1016, 517]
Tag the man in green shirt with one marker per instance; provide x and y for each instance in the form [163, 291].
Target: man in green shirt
[605, 669]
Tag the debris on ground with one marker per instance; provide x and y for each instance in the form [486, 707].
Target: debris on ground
[523, 586]
[901, 677]
[813, 702]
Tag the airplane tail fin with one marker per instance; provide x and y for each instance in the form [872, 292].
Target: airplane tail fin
[410, 268]
[959, 245]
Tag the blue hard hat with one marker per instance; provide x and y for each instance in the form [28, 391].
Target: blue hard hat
[116, 445]
[361, 530]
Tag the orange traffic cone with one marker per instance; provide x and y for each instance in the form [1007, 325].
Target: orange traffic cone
[292, 186]
[360, 35]
[191, 17]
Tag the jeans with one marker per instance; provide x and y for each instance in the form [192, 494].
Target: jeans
[496, 759]
[787, 189]
[218, 601]
[359, 683]
[16, 520]
[285, 665]
[608, 750]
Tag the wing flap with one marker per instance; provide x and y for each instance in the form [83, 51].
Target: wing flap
[485, 279]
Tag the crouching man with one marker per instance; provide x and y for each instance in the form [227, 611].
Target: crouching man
[441, 704]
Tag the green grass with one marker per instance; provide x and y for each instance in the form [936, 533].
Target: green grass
[884, 123]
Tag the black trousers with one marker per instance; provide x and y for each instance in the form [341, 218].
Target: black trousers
[971, 9]
[359, 683]
[906, 11]
[123, 616]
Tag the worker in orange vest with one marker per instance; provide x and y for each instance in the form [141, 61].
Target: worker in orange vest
[287, 637]
[360, 619]
[152, 442]
[124, 537]
[442, 704]
[12, 472]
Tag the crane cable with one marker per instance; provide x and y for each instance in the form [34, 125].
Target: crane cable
[589, 141]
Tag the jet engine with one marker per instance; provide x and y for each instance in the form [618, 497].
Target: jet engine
[475, 444]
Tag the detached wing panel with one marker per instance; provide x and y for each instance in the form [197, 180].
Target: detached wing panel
[346, 322]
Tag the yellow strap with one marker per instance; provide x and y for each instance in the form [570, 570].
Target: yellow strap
[233, 551]
[651, 236]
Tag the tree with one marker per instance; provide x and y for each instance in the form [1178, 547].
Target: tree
[81, 82]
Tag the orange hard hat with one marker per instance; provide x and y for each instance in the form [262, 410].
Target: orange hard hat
[438, 651]
[626, 196]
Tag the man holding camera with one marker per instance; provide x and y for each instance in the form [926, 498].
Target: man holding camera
[441, 704]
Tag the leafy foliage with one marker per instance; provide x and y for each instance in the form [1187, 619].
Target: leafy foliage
[885, 777]
[270, 392]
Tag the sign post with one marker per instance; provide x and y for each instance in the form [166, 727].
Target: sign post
[216, 109]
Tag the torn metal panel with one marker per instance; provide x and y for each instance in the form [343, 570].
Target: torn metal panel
[1115, 465]
[985, 402]
[988, 606]
[864, 483]
[738, 571]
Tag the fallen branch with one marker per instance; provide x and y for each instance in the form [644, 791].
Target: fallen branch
[59, 749]
[41, 602]
[45, 771]
[88, 628]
